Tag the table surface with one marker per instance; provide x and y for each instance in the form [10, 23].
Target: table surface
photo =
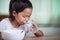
[43, 38]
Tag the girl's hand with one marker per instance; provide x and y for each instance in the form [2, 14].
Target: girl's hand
[34, 24]
[35, 29]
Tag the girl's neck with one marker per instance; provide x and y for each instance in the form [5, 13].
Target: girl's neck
[14, 23]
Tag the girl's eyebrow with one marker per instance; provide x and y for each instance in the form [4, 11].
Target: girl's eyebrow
[28, 15]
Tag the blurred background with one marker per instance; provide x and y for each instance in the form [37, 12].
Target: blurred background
[46, 13]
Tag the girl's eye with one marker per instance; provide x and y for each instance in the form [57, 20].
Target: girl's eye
[24, 16]
[29, 16]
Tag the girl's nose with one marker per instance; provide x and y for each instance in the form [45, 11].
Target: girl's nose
[27, 19]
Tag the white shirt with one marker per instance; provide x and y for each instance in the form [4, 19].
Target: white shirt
[11, 33]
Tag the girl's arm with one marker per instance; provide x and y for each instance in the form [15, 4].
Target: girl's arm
[39, 33]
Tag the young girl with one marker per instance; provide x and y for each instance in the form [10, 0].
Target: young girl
[18, 22]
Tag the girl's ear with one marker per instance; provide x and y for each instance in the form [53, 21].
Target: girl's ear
[14, 13]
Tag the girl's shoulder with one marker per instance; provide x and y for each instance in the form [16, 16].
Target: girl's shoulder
[4, 20]
[3, 23]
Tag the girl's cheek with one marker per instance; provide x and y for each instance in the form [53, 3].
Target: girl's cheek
[23, 20]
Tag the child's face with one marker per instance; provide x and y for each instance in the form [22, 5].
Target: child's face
[23, 17]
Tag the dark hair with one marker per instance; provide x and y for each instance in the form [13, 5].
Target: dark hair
[18, 6]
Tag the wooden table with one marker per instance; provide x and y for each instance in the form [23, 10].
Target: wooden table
[43, 38]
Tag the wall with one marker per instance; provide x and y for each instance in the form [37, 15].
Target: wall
[44, 11]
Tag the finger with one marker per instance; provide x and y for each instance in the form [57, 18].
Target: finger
[34, 24]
